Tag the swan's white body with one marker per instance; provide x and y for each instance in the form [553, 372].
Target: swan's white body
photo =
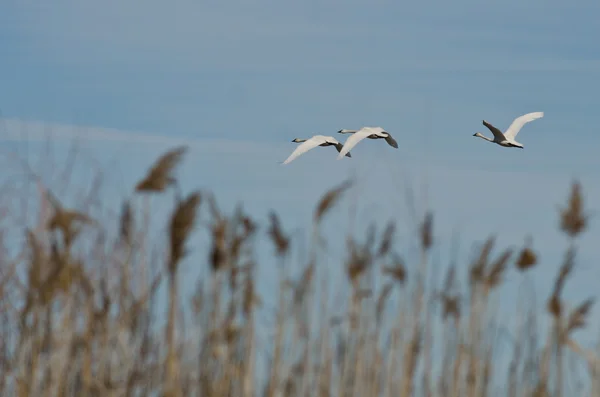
[365, 132]
[507, 139]
[311, 143]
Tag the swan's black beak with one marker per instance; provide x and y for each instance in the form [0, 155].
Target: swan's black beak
[475, 134]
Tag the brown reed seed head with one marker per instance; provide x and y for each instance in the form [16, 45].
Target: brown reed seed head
[478, 267]
[386, 241]
[579, 315]
[381, 300]
[427, 232]
[66, 221]
[566, 268]
[218, 256]
[397, 271]
[279, 239]
[497, 269]
[182, 223]
[304, 284]
[249, 298]
[63, 219]
[329, 199]
[573, 219]
[249, 225]
[159, 177]
[451, 307]
[358, 262]
[527, 259]
[554, 305]
[126, 222]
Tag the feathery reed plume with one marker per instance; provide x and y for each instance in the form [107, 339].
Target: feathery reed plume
[159, 177]
[218, 254]
[451, 307]
[554, 303]
[527, 258]
[450, 303]
[126, 223]
[573, 218]
[182, 223]
[278, 238]
[66, 220]
[359, 260]
[426, 231]
[397, 270]
[478, 267]
[578, 316]
[63, 219]
[386, 241]
[497, 269]
[381, 300]
[329, 199]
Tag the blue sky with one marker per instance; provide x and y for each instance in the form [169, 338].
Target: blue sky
[239, 80]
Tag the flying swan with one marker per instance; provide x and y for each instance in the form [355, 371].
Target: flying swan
[365, 132]
[507, 139]
[311, 143]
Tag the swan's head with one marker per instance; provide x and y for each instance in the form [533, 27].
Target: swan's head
[345, 131]
[298, 140]
[478, 134]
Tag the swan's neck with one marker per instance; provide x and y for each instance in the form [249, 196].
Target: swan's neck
[484, 137]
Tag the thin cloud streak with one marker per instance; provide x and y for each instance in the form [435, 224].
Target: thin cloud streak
[16, 130]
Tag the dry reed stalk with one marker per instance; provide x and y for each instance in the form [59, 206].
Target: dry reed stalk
[279, 239]
[159, 176]
[65, 307]
[182, 224]
[573, 219]
[126, 224]
[391, 387]
[329, 200]
[413, 350]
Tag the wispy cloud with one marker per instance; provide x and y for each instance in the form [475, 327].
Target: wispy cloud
[36, 131]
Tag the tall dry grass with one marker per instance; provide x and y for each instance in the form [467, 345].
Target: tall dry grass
[79, 313]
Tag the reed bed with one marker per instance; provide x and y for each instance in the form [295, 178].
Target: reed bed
[79, 310]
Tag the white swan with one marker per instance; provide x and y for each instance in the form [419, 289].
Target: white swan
[311, 143]
[365, 132]
[507, 139]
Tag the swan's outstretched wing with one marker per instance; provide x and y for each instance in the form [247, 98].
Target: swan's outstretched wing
[391, 141]
[519, 122]
[336, 143]
[497, 133]
[353, 140]
[339, 147]
[305, 147]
